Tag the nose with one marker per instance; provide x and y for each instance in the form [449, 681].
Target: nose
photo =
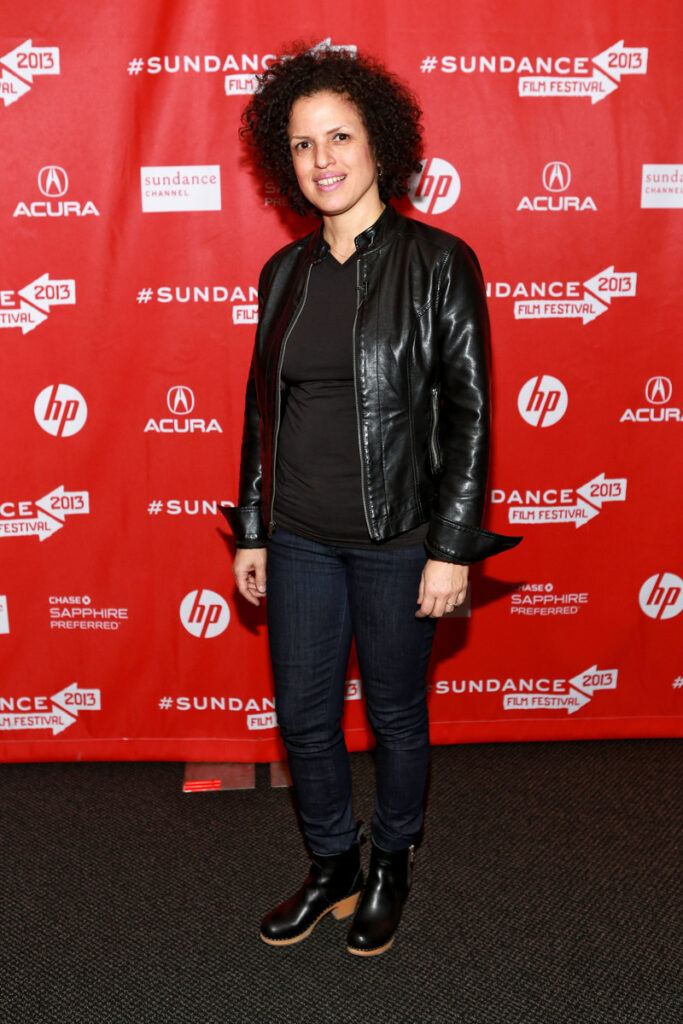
[323, 155]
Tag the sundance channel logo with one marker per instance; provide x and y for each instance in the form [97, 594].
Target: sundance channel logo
[662, 187]
[181, 187]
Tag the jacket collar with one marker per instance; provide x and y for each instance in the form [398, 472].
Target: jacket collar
[369, 239]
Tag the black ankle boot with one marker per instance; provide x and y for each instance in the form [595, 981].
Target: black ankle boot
[334, 883]
[379, 910]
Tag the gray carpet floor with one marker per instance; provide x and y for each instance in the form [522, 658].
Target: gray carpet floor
[547, 890]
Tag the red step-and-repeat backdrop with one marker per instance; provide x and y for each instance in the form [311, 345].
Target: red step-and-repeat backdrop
[133, 234]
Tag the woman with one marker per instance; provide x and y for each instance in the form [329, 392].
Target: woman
[363, 470]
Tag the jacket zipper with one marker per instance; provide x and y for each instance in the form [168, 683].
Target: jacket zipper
[355, 384]
[278, 399]
[433, 432]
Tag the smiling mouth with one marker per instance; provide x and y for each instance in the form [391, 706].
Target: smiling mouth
[326, 182]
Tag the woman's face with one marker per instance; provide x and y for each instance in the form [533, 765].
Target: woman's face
[333, 162]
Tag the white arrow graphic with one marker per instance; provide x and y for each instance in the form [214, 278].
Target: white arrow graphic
[24, 316]
[56, 719]
[618, 60]
[64, 720]
[607, 285]
[11, 88]
[588, 513]
[593, 309]
[37, 317]
[50, 514]
[46, 525]
[60, 503]
[41, 524]
[595, 86]
[595, 679]
[571, 701]
[602, 488]
[585, 309]
[44, 292]
[579, 513]
[27, 60]
[581, 701]
[78, 700]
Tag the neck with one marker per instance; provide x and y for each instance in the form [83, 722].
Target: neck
[341, 230]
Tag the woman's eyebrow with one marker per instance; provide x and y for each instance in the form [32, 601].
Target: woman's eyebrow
[328, 132]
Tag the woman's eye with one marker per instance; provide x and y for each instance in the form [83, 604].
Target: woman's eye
[342, 135]
[301, 145]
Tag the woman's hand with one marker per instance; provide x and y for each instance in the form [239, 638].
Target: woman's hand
[249, 570]
[443, 586]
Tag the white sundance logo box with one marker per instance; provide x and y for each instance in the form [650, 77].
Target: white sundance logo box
[662, 186]
[182, 187]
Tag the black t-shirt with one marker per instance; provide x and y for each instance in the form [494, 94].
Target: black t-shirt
[318, 490]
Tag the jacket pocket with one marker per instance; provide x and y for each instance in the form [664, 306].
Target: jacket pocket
[435, 460]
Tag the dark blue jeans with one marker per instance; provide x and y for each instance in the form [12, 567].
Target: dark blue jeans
[319, 596]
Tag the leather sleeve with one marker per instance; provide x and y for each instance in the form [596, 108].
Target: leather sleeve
[462, 325]
[246, 520]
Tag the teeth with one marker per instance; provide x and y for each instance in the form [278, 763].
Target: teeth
[331, 181]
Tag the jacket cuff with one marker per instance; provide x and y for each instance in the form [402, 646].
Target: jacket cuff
[448, 541]
[247, 526]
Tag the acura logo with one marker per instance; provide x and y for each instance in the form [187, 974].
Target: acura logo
[53, 181]
[180, 400]
[556, 176]
[658, 390]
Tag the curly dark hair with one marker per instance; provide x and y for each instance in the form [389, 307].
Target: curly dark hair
[388, 108]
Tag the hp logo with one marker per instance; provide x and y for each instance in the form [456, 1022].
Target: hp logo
[436, 187]
[60, 410]
[204, 613]
[542, 401]
[661, 596]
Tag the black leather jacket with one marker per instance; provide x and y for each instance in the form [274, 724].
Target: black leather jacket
[421, 377]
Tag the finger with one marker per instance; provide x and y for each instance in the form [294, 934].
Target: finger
[421, 589]
[439, 608]
[243, 581]
[425, 608]
[260, 579]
